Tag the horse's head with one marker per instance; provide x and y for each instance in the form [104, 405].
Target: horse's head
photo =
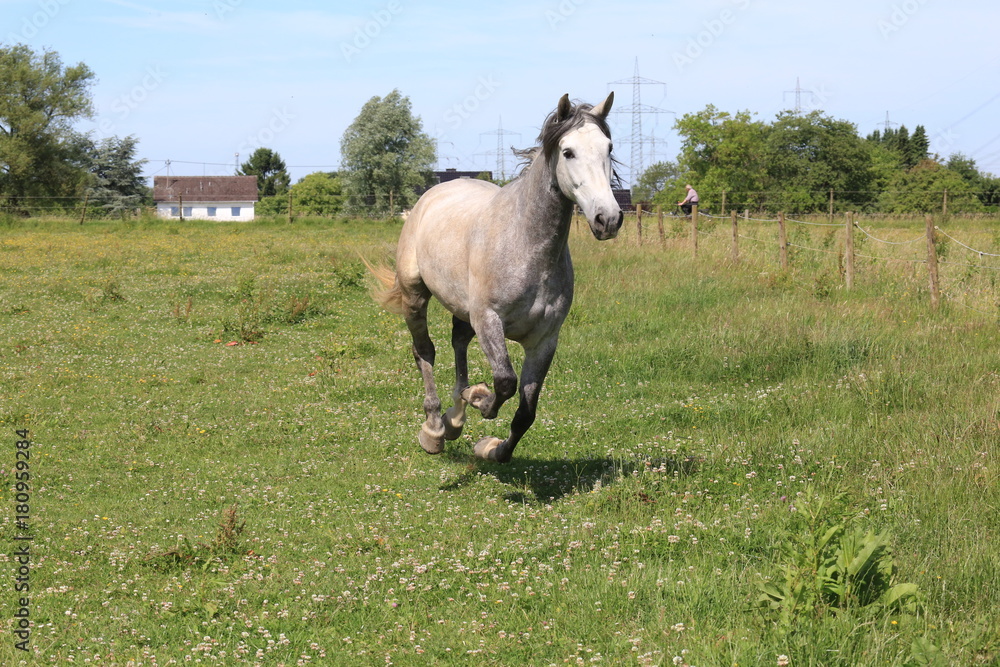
[581, 162]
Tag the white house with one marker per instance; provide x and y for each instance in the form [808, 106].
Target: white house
[223, 198]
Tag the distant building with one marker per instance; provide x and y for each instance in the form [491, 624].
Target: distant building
[624, 198]
[223, 198]
[622, 195]
[438, 177]
[454, 174]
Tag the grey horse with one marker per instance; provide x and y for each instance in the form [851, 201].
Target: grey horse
[498, 259]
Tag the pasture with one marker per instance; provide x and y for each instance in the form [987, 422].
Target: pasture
[732, 465]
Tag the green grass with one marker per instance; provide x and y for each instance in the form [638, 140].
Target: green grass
[225, 467]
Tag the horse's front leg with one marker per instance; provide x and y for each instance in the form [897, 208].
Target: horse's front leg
[489, 328]
[537, 361]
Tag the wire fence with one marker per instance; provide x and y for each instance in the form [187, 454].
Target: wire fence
[287, 205]
[960, 264]
[831, 203]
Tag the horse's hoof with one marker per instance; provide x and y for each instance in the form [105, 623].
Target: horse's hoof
[432, 442]
[489, 449]
[454, 422]
[475, 395]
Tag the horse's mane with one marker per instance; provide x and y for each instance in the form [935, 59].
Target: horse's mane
[554, 129]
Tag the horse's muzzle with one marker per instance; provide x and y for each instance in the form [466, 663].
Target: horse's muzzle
[606, 225]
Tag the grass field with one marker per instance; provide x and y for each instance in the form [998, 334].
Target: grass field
[732, 465]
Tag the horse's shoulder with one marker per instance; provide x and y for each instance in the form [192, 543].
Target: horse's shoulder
[467, 184]
[458, 192]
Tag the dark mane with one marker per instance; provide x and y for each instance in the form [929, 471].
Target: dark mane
[554, 129]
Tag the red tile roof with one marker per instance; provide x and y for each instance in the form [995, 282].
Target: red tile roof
[204, 188]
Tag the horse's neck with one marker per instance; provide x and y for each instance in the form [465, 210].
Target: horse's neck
[547, 212]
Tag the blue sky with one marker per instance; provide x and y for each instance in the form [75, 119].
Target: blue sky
[198, 81]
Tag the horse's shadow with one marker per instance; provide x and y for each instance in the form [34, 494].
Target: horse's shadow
[540, 481]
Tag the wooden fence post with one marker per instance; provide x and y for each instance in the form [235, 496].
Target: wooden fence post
[180, 207]
[849, 251]
[932, 264]
[831, 205]
[86, 199]
[782, 242]
[723, 203]
[289, 207]
[694, 229]
[736, 239]
[638, 221]
[944, 204]
[659, 222]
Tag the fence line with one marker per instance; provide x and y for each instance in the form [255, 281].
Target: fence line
[873, 238]
[980, 252]
[932, 260]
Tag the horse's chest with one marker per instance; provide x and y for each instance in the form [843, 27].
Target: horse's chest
[537, 308]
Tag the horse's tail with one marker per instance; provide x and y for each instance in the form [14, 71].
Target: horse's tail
[386, 292]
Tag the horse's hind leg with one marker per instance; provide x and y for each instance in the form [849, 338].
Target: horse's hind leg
[462, 334]
[432, 432]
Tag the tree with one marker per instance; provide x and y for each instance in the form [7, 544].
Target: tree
[660, 177]
[720, 151]
[918, 148]
[117, 184]
[810, 154]
[921, 190]
[987, 187]
[269, 168]
[319, 193]
[40, 154]
[385, 154]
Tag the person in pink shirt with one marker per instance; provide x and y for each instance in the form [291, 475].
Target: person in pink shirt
[690, 200]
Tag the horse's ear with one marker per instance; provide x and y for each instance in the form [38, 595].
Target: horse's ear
[604, 108]
[563, 108]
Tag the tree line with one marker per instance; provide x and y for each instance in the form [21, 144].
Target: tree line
[41, 154]
[797, 160]
[793, 162]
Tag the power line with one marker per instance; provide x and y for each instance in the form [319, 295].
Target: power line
[887, 123]
[637, 109]
[501, 153]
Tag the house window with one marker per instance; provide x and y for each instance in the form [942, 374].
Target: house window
[174, 211]
[211, 211]
[236, 211]
[187, 211]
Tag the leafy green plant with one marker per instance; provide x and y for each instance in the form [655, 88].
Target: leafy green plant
[182, 312]
[111, 291]
[834, 565]
[225, 544]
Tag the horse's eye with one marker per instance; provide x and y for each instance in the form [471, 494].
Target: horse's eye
[611, 148]
[569, 154]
